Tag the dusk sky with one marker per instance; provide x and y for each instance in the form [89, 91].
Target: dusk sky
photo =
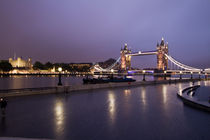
[95, 30]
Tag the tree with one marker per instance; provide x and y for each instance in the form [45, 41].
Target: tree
[38, 65]
[48, 65]
[5, 66]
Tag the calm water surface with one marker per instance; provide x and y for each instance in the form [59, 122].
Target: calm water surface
[146, 112]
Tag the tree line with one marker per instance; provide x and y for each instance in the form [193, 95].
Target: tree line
[5, 66]
[65, 67]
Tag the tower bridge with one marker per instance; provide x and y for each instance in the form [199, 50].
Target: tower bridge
[162, 49]
[165, 62]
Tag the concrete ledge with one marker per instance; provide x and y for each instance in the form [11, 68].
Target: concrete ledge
[69, 89]
[193, 102]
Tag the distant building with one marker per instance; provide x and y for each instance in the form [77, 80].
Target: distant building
[19, 63]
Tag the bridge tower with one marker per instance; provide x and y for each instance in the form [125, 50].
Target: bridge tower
[162, 61]
[125, 59]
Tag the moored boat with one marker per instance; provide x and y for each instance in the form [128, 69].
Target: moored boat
[106, 80]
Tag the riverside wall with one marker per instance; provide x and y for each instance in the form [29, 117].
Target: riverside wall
[73, 88]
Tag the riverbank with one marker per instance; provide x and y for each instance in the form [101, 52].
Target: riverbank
[73, 88]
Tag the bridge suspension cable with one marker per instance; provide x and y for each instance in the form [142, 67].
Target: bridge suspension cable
[114, 64]
[183, 66]
[98, 68]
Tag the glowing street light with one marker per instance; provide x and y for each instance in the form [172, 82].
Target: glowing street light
[165, 75]
[112, 70]
[59, 76]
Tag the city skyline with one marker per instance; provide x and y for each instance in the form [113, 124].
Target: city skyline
[92, 31]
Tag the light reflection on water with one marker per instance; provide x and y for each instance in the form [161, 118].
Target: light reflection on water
[127, 102]
[164, 91]
[143, 98]
[127, 92]
[143, 95]
[180, 87]
[59, 117]
[112, 106]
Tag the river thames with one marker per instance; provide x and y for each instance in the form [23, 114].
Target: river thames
[144, 112]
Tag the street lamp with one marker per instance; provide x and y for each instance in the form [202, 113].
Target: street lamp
[164, 75]
[143, 75]
[59, 76]
[112, 71]
[199, 75]
[191, 75]
[180, 76]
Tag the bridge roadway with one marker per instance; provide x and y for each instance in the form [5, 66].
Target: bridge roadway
[142, 53]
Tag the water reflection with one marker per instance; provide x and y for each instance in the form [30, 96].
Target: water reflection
[191, 84]
[112, 106]
[164, 91]
[59, 116]
[180, 87]
[127, 92]
[206, 83]
[127, 101]
[143, 96]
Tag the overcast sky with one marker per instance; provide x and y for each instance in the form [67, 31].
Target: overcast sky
[95, 30]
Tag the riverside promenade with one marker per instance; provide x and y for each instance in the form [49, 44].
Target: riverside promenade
[72, 88]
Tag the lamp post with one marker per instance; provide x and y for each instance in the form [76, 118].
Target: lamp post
[59, 76]
[199, 75]
[164, 75]
[191, 75]
[112, 76]
[180, 76]
[143, 75]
